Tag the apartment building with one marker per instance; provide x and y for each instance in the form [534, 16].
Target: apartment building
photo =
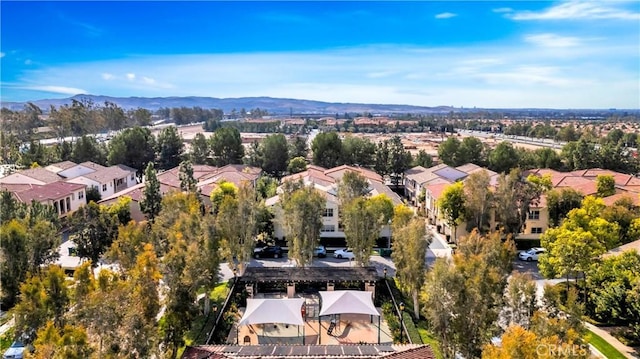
[326, 182]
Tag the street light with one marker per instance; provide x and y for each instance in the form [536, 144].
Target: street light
[401, 321]
[235, 273]
[385, 273]
[389, 238]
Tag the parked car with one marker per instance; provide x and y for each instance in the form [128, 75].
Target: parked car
[268, 252]
[344, 253]
[15, 351]
[320, 252]
[531, 254]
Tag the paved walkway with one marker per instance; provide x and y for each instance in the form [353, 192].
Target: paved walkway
[625, 350]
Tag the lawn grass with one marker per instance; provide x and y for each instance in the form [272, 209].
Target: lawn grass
[219, 292]
[603, 347]
[428, 338]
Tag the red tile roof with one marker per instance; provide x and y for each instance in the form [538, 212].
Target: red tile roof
[41, 174]
[635, 199]
[423, 352]
[50, 191]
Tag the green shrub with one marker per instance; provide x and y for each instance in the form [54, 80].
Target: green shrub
[411, 328]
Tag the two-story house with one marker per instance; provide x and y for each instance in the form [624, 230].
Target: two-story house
[63, 196]
[326, 182]
[108, 180]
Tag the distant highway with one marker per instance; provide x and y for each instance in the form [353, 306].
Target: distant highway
[542, 142]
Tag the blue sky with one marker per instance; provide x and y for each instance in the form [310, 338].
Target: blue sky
[568, 54]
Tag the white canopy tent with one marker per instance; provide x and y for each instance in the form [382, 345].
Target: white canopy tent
[347, 302]
[261, 311]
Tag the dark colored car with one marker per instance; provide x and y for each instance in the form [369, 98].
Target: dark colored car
[268, 252]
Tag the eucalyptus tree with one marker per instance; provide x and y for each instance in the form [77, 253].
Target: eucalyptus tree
[302, 209]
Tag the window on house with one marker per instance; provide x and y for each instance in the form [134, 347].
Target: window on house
[534, 215]
[120, 181]
[328, 212]
[132, 177]
[536, 230]
[104, 188]
[80, 195]
[328, 228]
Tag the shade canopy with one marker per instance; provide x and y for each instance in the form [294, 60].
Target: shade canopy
[347, 302]
[286, 311]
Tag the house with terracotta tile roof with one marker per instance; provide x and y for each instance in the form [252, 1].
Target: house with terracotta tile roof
[63, 196]
[208, 178]
[136, 193]
[77, 170]
[37, 175]
[326, 181]
[108, 180]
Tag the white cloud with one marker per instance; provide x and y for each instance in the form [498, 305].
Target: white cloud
[107, 76]
[506, 75]
[57, 89]
[573, 10]
[148, 80]
[2, 54]
[28, 62]
[445, 15]
[552, 40]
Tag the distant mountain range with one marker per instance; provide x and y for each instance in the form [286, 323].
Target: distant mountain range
[272, 105]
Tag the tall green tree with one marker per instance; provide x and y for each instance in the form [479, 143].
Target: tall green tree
[357, 151]
[452, 206]
[151, 202]
[133, 147]
[298, 147]
[226, 146]
[449, 151]
[503, 158]
[382, 159]
[169, 146]
[187, 182]
[409, 250]
[275, 155]
[463, 298]
[478, 199]
[238, 241]
[471, 150]
[560, 202]
[200, 149]
[362, 219]
[13, 259]
[351, 186]
[399, 160]
[327, 149]
[612, 289]
[87, 148]
[423, 159]
[302, 209]
[94, 230]
[514, 197]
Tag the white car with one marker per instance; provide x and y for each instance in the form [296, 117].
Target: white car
[532, 254]
[16, 351]
[344, 253]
